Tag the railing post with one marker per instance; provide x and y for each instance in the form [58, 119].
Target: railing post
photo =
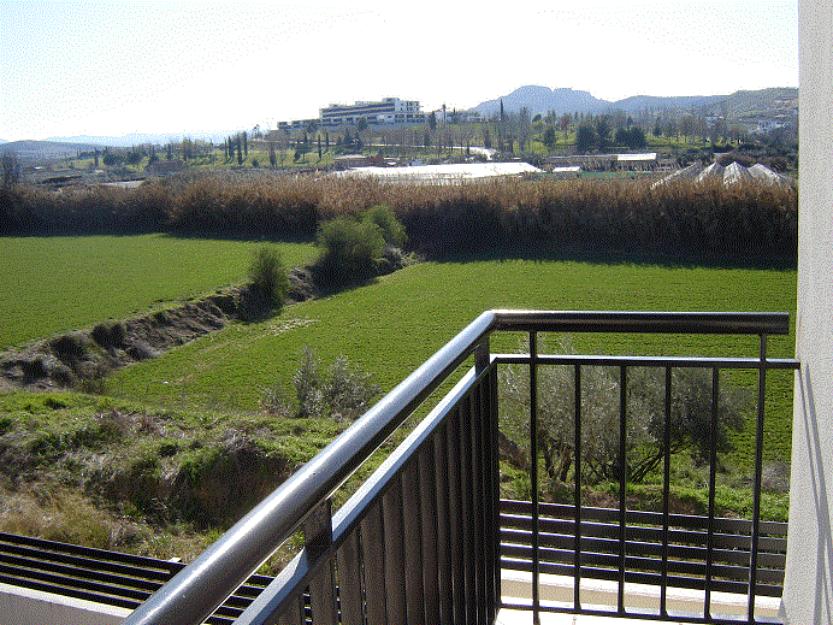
[490, 468]
[482, 355]
[533, 470]
[318, 537]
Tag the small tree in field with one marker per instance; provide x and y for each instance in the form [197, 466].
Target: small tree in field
[268, 275]
[585, 138]
[549, 137]
[11, 170]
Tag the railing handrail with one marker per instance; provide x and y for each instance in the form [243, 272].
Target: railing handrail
[647, 322]
[195, 592]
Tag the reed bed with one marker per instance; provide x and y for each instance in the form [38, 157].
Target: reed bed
[740, 220]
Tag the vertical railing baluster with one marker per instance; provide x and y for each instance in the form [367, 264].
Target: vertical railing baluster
[577, 491]
[394, 554]
[489, 528]
[428, 532]
[318, 536]
[495, 450]
[756, 494]
[533, 470]
[464, 425]
[712, 481]
[623, 463]
[482, 362]
[477, 502]
[666, 486]
[412, 534]
[455, 513]
[373, 557]
[443, 522]
[295, 614]
[350, 581]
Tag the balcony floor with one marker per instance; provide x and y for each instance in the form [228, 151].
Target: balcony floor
[524, 617]
[557, 590]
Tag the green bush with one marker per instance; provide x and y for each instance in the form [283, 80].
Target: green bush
[350, 250]
[268, 275]
[392, 229]
[344, 393]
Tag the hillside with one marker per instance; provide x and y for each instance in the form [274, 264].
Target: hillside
[739, 104]
[542, 99]
[648, 102]
[37, 150]
[140, 138]
[761, 102]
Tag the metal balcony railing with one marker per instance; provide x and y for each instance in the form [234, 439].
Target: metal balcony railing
[423, 540]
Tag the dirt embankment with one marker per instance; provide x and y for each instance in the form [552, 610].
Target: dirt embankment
[82, 359]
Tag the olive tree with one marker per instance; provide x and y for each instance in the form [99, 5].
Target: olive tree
[689, 425]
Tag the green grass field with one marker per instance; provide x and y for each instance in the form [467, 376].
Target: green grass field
[211, 388]
[391, 327]
[55, 284]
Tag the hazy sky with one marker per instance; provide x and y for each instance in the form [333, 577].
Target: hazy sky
[111, 68]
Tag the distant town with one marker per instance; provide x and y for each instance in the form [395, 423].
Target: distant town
[562, 133]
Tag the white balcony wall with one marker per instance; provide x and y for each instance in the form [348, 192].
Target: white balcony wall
[808, 591]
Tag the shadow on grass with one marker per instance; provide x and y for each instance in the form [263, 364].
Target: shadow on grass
[683, 259]
[536, 252]
[168, 234]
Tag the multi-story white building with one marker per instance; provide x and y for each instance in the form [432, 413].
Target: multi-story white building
[384, 111]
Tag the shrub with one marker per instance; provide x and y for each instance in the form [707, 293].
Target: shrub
[307, 382]
[348, 391]
[275, 402]
[392, 229]
[350, 250]
[343, 394]
[267, 275]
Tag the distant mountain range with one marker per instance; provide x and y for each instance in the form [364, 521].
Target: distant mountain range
[543, 99]
[63, 147]
[136, 138]
[44, 149]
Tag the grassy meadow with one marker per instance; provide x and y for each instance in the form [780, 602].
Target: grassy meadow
[171, 426]
[55, 284]
[390, 327]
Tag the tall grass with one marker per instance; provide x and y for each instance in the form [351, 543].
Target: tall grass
[742, 220]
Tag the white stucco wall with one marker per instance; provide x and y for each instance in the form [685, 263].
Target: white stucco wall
[808, 590]
[23, 606]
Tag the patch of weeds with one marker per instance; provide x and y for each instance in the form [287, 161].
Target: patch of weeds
[70, 348]
[36, 368]
[55, 403]
[109, 335]
[168, 448]
[207, 488]
[142, 351]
